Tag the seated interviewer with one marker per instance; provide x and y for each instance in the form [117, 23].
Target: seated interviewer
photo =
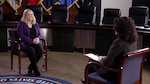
[126, 41]
[29, 32]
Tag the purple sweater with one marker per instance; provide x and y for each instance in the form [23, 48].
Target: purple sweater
[24, 32]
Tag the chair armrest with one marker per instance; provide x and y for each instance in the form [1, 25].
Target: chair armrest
[44, 41]
[98, 64]
[15, 47]
[101, 66]
[13, 41]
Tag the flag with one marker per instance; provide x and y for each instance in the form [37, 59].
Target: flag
[39, 2]
[2, 1]
[15, 4]
[69, 3]
[66, 2]
[47, 4]
[34, 2]
[72, 3]
[31, 2]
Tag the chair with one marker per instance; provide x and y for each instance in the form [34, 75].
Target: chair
[1, 14]
[62, 38]
[130, 71]
[16, 50]
[59, 14]
[38, 10]
[3, 33]
[110, 14]
[139, 14]
[86, 15]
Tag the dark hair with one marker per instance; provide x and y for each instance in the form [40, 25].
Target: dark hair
[125, 27]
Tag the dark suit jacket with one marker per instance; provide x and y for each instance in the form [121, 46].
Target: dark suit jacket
[114, 55]
[116, 51]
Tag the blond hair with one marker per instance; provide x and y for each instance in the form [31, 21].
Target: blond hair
[23, 18]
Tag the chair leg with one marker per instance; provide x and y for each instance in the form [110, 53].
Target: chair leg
[19, 64]
[44, 65]
[46, 62]
[11, 61]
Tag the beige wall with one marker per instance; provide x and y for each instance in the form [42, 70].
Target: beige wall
[122, 4]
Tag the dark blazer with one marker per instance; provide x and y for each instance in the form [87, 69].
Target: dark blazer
[116, 51]
[114, 55]
[24, 32]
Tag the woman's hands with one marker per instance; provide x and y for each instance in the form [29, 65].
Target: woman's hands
[36, 40]
[101, 57]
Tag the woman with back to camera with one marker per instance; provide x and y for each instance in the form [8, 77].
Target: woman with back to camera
[29, 32]
[126, 41]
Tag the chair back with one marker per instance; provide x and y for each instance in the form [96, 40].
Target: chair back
[110, 14]
[59, 14]
[1, 14]
[38, 10]
[14, 38]
[131, 65]
[139, 14]
[130, 71]
[86, 15]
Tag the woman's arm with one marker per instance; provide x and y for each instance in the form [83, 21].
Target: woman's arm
[113, 52]
[37, 27]
[38, 34]
[23, 32]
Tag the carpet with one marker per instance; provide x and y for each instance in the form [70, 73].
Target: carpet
[24, 79]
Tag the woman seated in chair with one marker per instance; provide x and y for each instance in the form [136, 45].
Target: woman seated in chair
[29, 32]
[126, 41]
